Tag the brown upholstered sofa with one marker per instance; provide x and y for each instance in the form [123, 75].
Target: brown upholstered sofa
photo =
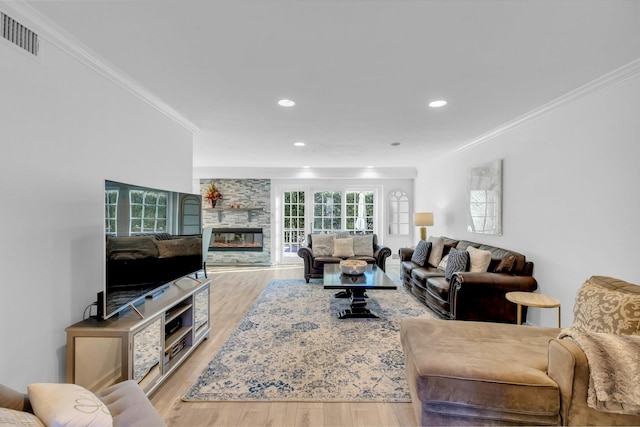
[481, 373]
[470, 295]
[365, 247]
[127, 404]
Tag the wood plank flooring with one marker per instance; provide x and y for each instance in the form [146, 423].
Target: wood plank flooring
[232, 294]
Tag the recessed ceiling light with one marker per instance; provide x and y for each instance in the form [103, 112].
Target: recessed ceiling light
[286, 103]
[436, 104]
[369, 167]
[306, 167]
[299, 144]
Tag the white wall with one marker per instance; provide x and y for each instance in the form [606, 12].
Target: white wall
[63, 130]
[570, 201]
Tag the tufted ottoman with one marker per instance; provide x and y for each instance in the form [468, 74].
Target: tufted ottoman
[478, 373]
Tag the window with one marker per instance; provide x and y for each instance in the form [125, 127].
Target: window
[359, 211]
[327, 211]
[111, 211]
[293, 217]
[148, 211]
[398, 213]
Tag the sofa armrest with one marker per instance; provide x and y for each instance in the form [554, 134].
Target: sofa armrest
[12, 399]
[481, 296]
[130, 406]
[406, 254]
[498, 281]
[381, 253]
[569, 368]
[306, 254]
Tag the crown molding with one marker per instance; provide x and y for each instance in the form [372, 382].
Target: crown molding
[55, 35]
[614, 77]
[301, 173]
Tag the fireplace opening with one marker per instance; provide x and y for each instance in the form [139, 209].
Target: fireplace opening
[236, 239]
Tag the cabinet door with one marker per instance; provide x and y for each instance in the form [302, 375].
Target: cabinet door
[202, 310]
[147, 351]
[98, 361]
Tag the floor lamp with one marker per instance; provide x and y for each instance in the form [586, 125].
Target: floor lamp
[422, 220]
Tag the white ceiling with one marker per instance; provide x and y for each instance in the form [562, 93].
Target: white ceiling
[360, 71]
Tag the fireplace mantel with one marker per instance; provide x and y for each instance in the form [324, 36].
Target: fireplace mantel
[250, 211]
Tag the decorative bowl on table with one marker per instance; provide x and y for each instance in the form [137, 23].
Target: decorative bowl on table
[353, 267]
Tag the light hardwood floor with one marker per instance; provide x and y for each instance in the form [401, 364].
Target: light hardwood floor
[232, 294]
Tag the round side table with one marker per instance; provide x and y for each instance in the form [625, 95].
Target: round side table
[532, 300]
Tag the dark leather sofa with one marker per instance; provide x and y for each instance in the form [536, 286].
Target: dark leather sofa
[471, 296]
[314, 265]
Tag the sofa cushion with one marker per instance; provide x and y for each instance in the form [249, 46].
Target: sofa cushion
[458, 261]
[449, 371]
[438, 286]
[322, 244]
[607, 305]
[369, 259]
[437, 247]
[343, 248]
[479, 260]
[320, 261]
[68, 405]
[11, 417]
[421, 274]
[421, 253]
[363, 245]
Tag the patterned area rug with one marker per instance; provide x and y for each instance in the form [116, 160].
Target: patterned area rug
[291, 346]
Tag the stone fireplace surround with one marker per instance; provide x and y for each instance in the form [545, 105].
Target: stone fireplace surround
[240, 195]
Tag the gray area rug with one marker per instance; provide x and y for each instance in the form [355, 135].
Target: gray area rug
[291, 346]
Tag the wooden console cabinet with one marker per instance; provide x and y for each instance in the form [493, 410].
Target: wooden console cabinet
[145, 347]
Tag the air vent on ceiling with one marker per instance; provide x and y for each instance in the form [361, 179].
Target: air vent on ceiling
[18, 34]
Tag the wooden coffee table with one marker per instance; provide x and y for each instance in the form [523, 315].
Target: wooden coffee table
[355, 287]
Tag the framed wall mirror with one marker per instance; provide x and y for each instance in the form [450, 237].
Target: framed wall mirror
[485, 198]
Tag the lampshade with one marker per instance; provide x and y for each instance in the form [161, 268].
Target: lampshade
[422, 219]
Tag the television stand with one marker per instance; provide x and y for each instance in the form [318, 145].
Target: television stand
[137, 344]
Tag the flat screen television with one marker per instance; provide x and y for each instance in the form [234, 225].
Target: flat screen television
[153, 237]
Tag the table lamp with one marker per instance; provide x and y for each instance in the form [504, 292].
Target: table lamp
[422, 219]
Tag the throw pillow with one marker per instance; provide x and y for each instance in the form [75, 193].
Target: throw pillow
[604, 305]
[421, 253]
[68, 405]
[443, 263]
[458, 261]
[343, 248]
[437, 246]
[11, 417]
[505, 265]
[322, 244]
[480, 259]
[363, 245]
